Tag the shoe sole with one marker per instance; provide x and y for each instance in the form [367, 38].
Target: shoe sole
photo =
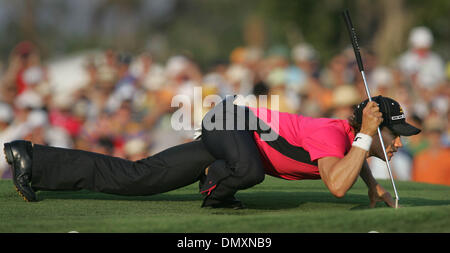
[9, 159]
[225, 207]
[235, 206]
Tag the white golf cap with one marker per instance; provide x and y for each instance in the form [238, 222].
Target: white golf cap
[346, 95]
[135, 146]
[28, 99]
[6, 113]
[381, 76]
[176, 64]
[33, 75]
[37, 118]
[421, 37]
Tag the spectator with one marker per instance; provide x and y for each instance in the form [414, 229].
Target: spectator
[416, 144]
[136, 149]
[240, 79]
[149, 74]
[433, 164]
[277, 80]
[127, 98]
[61, 115]
[8, 92]
[24, 56]
[98, 95]
[125, 88]
[6, 117]
[344, 98]
[381, 82]
[27, 122]
[420, 64]
[336, 73]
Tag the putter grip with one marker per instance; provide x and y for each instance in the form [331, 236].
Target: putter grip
[353, 38]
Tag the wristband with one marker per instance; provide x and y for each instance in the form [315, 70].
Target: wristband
[362, 141]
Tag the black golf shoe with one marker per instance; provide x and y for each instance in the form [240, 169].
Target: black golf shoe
[231, 203]
[19, 155]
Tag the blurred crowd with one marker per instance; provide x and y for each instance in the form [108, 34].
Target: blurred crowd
[124, 107]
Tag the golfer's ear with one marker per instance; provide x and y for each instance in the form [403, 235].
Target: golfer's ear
[325, 165]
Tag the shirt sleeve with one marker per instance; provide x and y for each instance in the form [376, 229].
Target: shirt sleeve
[330, 140]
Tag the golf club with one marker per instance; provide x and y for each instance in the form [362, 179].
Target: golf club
[354, 40]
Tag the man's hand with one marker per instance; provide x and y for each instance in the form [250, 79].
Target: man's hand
[377, 194]
[371, 119]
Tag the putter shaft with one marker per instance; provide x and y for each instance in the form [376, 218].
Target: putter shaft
[382, 143]
[354, 40]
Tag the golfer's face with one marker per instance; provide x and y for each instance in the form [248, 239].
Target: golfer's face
[391, 141]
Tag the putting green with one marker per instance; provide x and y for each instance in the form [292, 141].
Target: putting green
[273, 206]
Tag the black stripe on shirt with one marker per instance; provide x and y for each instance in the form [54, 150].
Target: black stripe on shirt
[284, 147]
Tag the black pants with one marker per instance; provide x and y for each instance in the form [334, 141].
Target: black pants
[238, 163]
[231, 154]
[69, 169]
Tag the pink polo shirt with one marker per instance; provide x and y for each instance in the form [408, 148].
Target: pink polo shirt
[302, 140]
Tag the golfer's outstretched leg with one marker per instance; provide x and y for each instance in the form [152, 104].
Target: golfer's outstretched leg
[49, 168]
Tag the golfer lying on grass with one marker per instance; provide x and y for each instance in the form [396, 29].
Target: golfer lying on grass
[284, 145]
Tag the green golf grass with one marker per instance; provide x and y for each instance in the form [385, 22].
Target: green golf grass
[273, 206]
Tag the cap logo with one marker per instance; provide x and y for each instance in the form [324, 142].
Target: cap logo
[398, 117]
